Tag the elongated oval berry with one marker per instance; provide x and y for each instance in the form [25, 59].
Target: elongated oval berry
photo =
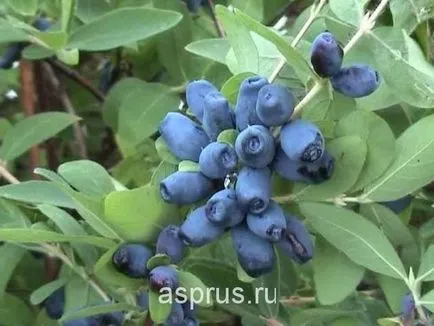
[131, 259]
[255, 146]
[142, 299]
[115, 318]
[253, 189]
[185, 138]
[55, 303]
[176, 316]
[217, 115]
[197, 230]
[255, 255]
[193, 5]
[399, 205]
[296, 241]
[302, 140]
[275, 105]
[189, 308]
[245, 110]
[326, 55]
[356, 81]
[163, 277]
[191, 321]
[87, 321]
[217, 160]
[296, 171]
[12, 54]
[196, 92]
[170, 243]
[270, 224]
[223, 209]
[185, 188]
[408, 307]
[42, 24]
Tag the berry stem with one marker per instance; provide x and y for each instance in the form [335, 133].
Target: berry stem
[309, 96]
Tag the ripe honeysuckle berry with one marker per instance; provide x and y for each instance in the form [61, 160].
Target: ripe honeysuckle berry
[399, 205]
[296, 242]
[55, 303]
[142, 299]
[326, 55]
[184, 138]
[302, 141]
[197, 230]
[255, 146]
[185, 188]
[191, 321]
[275, 105]
[217, 115]
[245, 109]
[115, 318]
[87, 321]
[170, 244]
[12, 54]
[131, 259]
[253, 189]
[196, 92]
[270, 224]
[408, 307]
[223, 209]
[217, 160]
[255, 255]
[162, 277]
[356, 81]
[176, 317]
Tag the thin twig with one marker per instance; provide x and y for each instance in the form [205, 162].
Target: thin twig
[66, 102]
[74, 75]
[218, 25]
[9, 177]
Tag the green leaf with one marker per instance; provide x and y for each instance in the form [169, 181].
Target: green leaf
[242, 275]
[388, 222]
[69, 56]
[68, 7]
[39, 295]
[192, 283]
[408, 15]
[24, 7]
[241, 42]
[334, 282]
[10, 256]
[215, 49]
[11, 216]
[428, 300]
[159, 311]
[87, 177]
[231, 87]
[54, 40]
[41, 236]
[394, 290]
[292, 56]
[32, 131]
[106, 272]
[121, 27]
[164, 152]
[37, 192]
[228, 136]
[317, 316]
[10, 33]
[412, 167]
[356, 237]
[88, 10]
[188, 166]
[379, 138]
[15, 312]
[349, 11]
[162, 171]
[348, 165]
[142, 111]
[99, 309]
[268, 289]
[50, 175]
[426, 269]
[69, 226]
[158, 260]
[138, 214]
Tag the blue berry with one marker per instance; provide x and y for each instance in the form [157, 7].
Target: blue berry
[108, 77]
[356, 81]
[301, 140]
[217, 160]
[142, 299]
[163, 277]
[399, 205]
[88, 321]
[42, 24]
[197, 230]
[189, 309]
[275, 105]
[55, 303]
[255, 146]
[245, 110]
[408, 307]
[185, 138]
[194, 5]
[115, 318]
[191, 321]
[131, 259]
[217, 115]
[255, 255]
[12, 54]
[176, 316]
[184, 188]
[170, 243]
[253, 189]
[296, 241]
[327, 55]
[196, 92]
[223, 209]
[270, 224]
